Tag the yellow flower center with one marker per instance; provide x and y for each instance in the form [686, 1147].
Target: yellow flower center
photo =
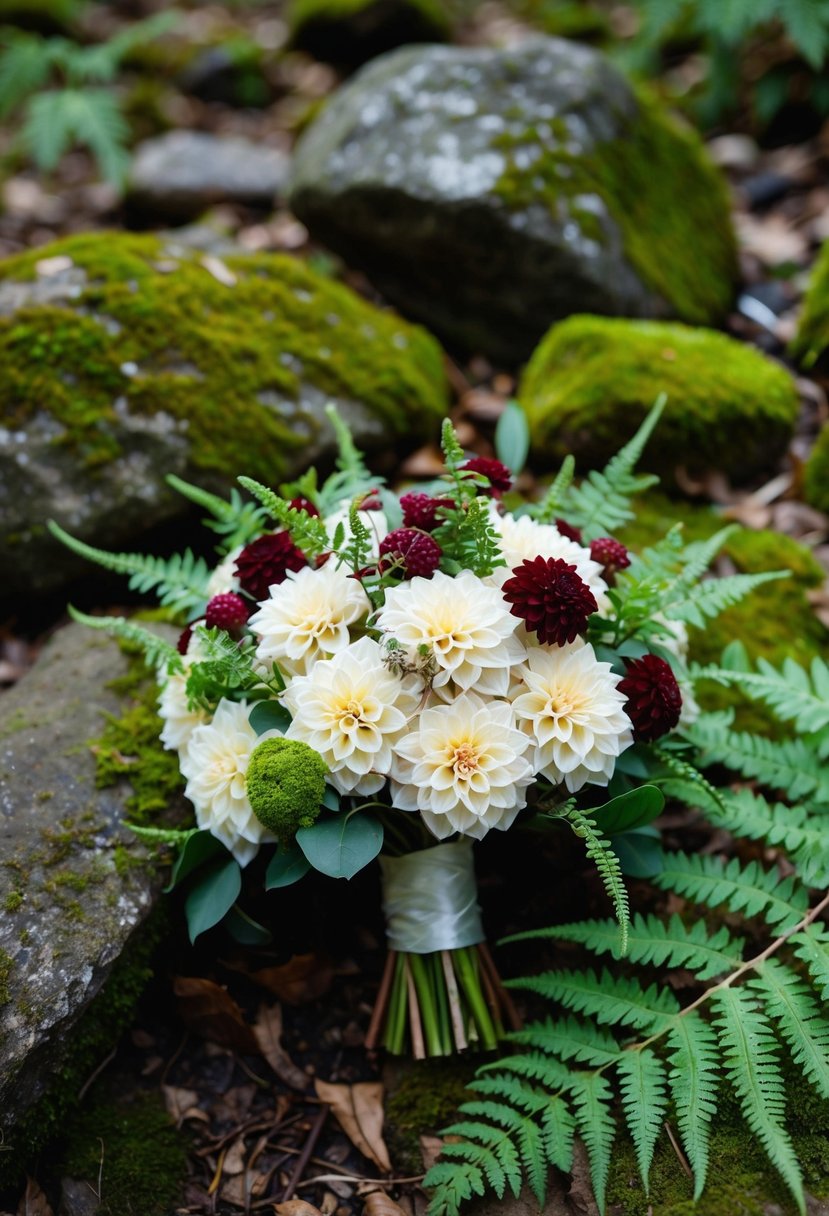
[465, 759]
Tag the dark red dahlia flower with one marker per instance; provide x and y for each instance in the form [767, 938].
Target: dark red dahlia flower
[303, 504]
[227, 611]
[266, 561]
[500, 478]
[611, 554]
[421, 511]
[568, 530]
[654, 701]
[417, 552]
[551, 598]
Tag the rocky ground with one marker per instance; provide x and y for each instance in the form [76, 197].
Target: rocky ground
[233, 1045]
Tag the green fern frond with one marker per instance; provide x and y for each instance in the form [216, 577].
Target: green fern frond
[693, 1079]
[180, 582]
[352, 478]
[643, 1086]
[601, 503]
[788, 765]
[236, 520]
[712, 596]
[600, 851]
[749, 889]
[751, 1060]
[158, 652]
[548, 509]
[24, 68]
[795, 695]
[58, 119]
[746, 813]
[308, 532]
[606, 997]
[801, 1021]
[593, 1098]
[569, 1038]
[812, 947]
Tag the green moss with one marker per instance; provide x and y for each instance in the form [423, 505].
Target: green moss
[91, 1039]
[566, 20]
[135, 1148]
[425, 1096]
[812, 338]
[208, 356]
[6, 964]
[592, 379]
[13, 901]
[687, 253]
[285, 785]
[816, 476]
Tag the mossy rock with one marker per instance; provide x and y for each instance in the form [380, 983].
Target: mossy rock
[816, 476]
[810, 343]
[350, 32]
[592, 380]
[493, 192]
[127, 357]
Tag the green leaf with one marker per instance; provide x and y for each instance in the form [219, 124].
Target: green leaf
[201, 846]
[639, 852]
[631, 810]
[212, 897]
[512, 437]
[343, 846]
[269, 715]
[286, 868]
[245, 930]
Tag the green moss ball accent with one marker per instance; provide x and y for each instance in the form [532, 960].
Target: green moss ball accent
[591, 381]
[285, 785]
[811, 341]
[151, 331]
[816, 477]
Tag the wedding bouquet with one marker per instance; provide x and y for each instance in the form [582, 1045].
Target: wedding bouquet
[366, 674]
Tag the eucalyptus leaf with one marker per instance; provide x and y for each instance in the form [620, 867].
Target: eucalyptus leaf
[512, 437]
[633, 809]
[213, 895]
[639, 852]
[199, 847]
[245, 930]
[331, 799]
[343, 846]
[286, 868]
[269, 715]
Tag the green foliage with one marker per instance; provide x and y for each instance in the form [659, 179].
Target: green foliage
[600, 851]
[224, 669]
[285, 783]
[796, 696]
[307, 532]
[158, 653]
[235, 520]
[469, 539]
[73, 111]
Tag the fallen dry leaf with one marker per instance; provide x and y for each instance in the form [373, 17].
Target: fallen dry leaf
[234, 1160]
[267, 1031]
[33, 1201]
[296, 1207]
[359, 1111]
[430, 1147]
[305, 978]
[379, 1204]
[211, 1012]
[182, 1104]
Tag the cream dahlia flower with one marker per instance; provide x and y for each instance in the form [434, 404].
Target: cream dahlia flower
[574, 713]
[306, 617]
[215, 765]
[179, 720]
[466, 625]
[523, 539]
[224, 578]
[352, 709]
[465, 767]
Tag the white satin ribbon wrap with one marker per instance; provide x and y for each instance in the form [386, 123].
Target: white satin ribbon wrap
[430, 899]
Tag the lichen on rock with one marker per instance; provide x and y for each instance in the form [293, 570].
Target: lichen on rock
[126, 357]
[592, 380]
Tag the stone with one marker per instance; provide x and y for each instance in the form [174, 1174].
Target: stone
[124, 358]
[181, 174]
[350, 32]
[70, 904]
[492, 192]
[591, 381]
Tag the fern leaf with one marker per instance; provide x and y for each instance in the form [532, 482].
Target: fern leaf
[157, 652]
[236, 520]
[795, 695]
[592, 1099]
[746, 813]
[644, 1100]
[548, 508]
[452, 1183]
[24, 68]
[748, 889]
[752, 1065]
[600, 851]
[534, 1066]
[606, 997]
[789, 765]
[308, 532]
[802, 1022]
[58, 119]
[693, 1080]
[812, 947]
[712, 596]
[558, 1128]
[570, 1039]
[489, 1147]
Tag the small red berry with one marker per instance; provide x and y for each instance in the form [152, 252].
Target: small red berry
[654, 701]
[499, 476]
[411, 552]
[421, 510]
[227, 611]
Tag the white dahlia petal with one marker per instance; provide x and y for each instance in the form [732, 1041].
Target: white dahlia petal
[179, 720]
[523, 539]
[575, 714]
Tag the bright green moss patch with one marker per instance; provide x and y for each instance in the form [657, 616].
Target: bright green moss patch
[592, 380]
[812, 338]
[816, 478]
[135, 1147]
[153, 332]
[686, 253]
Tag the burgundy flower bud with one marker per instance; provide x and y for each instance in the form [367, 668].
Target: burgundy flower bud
[654, 701]
[421, 510]
[227, 611]
[500, 478]
[413, 553]
[611, 554]
[551, 598]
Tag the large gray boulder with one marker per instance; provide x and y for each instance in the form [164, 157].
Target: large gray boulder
[75, 886]
[124, 358]
[492, 192]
